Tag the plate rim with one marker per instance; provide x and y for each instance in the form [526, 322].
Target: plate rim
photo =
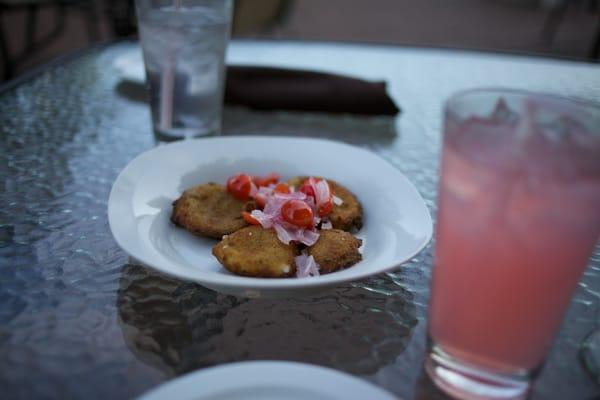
[251, 283]
[283, 367]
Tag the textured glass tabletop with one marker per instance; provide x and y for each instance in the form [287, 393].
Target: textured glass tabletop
[78, 319]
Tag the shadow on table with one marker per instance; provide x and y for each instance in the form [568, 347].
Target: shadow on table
[178, 326]
[358, 130]
[425, 389]
[132, 90]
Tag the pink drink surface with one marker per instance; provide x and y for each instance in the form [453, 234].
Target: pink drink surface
[519, 214]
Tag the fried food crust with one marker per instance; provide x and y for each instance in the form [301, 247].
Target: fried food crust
[335, 250]
[349, 215]
[254, 251]
[209, 210]
[297, 181]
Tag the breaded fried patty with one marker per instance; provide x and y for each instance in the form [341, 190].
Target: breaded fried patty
[255, 251]
[335, 250]
[209, 210]
[297, 181]
[347, 216]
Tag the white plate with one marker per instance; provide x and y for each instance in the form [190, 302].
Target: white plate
[267, 380]
[397, 224]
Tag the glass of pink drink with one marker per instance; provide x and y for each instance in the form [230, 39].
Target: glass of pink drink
[519, 215]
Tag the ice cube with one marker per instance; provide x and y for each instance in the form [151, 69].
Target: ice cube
[503, 114]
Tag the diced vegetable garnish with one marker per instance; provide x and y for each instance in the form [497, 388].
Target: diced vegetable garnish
[282, 188]
[249, 218]
[240, 186]
[306, 266]
[272, 178]
[298, 213]
[294, 215]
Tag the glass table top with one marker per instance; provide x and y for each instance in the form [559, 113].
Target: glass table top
[79, 319]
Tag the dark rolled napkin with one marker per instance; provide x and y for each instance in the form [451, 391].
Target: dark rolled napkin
[266, 88]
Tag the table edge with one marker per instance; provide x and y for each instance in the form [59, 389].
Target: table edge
[72, 55]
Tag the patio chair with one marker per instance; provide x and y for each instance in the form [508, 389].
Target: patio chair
[33, 43]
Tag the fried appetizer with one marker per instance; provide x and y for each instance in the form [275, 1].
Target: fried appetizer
[347, 216]
[297, 181]
[255, 251]
[209, 210]
[335, 250]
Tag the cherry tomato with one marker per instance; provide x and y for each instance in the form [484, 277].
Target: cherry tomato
[249, 218]
[307, 189]
[325, 208]
[260, 200]
[298, 213]
[282, 188]
[267, 180]
[240, 186]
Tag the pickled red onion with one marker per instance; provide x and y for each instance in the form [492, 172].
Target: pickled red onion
[265, 190]
[265, 220]
[322, 192]
[271, 217]
[306, 266]
[253, 190]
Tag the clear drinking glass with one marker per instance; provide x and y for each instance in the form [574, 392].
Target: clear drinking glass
[519, 215]
[184, 44]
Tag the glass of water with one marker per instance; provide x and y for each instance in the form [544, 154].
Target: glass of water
[184, 44]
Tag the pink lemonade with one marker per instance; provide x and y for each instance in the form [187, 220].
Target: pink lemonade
[519, 215]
